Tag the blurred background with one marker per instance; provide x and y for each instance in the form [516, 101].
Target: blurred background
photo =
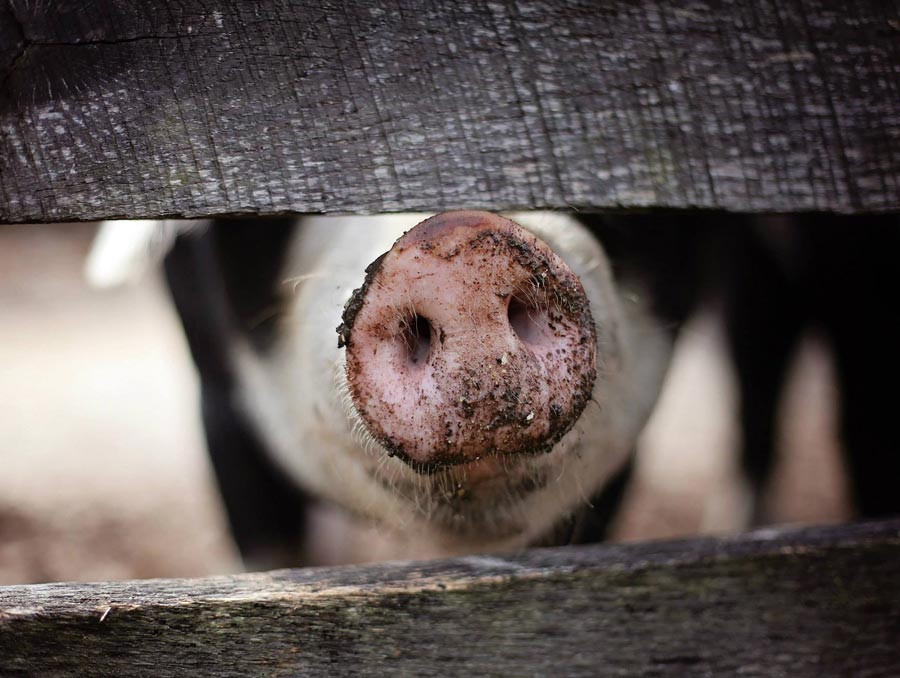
[103, 470]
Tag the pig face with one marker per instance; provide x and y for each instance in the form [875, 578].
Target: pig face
[486, 379]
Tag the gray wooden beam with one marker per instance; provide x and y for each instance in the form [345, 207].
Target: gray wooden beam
[190, 108]
[821, 601]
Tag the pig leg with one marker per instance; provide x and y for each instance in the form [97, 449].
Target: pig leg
[868, 375]
[856, 288]
[763, 323]
[265, 511]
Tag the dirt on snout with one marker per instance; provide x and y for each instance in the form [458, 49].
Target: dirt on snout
[433, 338]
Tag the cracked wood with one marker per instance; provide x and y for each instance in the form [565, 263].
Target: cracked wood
[179, 107]
[815, 602]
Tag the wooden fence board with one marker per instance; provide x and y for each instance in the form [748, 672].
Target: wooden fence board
[182, 107]
[821, 601]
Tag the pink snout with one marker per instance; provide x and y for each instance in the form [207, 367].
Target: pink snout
[469, 339]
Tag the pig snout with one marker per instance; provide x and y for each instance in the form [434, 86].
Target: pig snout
[469, 339]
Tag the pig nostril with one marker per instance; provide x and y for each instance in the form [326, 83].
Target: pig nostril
[415, 333]
[527, 320]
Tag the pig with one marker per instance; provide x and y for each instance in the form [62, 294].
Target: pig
[371, 370]
[466, 381]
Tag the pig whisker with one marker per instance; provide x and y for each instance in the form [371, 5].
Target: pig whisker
[358, 432]
[423, 498]
[380, 285]
[583, 496]
[268, 313]
[420, 497]
[369, 444]
[471, 314]
[557, 300]
[297, 280]
[417, 502]
[443, 489]
[381, 472]
[534, 298]
[388, 474]
[562, 469]
[591, 266]
[384, 471]
[408, 303]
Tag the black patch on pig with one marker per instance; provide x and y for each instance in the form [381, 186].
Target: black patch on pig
[591, 523]
[251, 252]
[266, 511]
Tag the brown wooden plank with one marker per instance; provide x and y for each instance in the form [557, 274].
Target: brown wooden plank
[182, 107]
[821, 601]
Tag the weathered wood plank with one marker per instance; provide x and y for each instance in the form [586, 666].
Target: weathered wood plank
[812, 602]
[182, 107]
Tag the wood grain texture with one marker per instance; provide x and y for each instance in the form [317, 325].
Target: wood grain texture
[812, 602]
[182, 107]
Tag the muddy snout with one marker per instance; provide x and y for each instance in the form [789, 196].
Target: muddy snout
[469, 339]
